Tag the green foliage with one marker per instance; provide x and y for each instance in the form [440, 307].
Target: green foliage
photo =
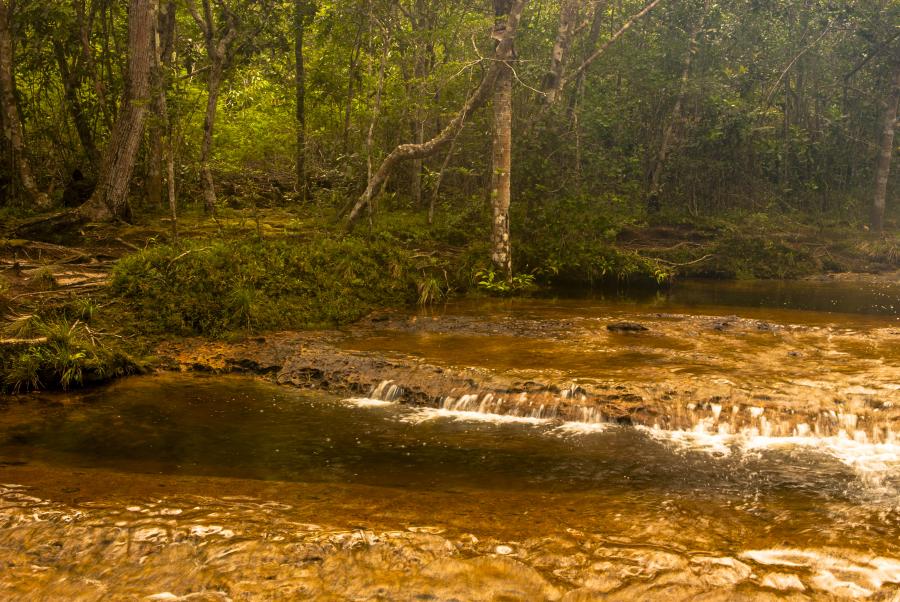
[216, 287]
[63, 354]
[491, 282]
[571, 240]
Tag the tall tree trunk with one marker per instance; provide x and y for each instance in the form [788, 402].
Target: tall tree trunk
[214, 85]
[886, 155]
[501, 188]
[302, 10]
[417, 164]
[501, 164]
[217, 53]
[376, 107]
[590, 44]
[6, 168]
[420, 71]
[351, 88]
[160, 130]
[475, 101]
[70, 83]
[89, 65]
[665, 146]
[12, 120]
[435, 193]
[568, 15]
[110, 199]
[593, 56]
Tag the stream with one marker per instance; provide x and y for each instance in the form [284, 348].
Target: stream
[758, 458]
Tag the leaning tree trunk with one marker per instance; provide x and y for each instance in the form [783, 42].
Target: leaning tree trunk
[12, 120]
[883, 171]
[110, 199]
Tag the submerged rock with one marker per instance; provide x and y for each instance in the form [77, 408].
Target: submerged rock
[626, 327]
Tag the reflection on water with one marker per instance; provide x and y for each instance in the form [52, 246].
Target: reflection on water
[463, 502]
[873, 296]
[223, 488]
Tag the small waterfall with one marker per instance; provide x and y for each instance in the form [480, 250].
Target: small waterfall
[521, 405]
[755, 421]
[720, 421]
[386, 390]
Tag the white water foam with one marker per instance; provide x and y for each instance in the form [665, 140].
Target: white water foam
[871, 461]
[582, 428]
[365, 402]
[426, 414]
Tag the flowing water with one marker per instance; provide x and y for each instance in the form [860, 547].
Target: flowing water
[199, 487]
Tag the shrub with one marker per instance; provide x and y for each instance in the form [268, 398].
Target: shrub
[64, 354]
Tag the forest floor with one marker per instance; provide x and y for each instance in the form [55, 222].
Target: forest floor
[85, 305]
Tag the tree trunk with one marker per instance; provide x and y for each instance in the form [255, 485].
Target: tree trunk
[351, 88]
[476, 100]
[435, 193]
[665, 146]
[12, 120]
[110, 199]
[70, 83]
[89, 65]
[376, 107]
[217, 53]
[590, 44]
[417, 164]
[163, 153]
[502, 169]
[160, 129]
[301, 11]
[568, 15]
[589, 60]
[207, 183]
[886, 155]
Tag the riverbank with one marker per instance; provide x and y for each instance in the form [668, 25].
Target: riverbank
[597, 362]
[90, 306]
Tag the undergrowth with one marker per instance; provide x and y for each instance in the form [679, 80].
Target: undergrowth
[60, 351]
[217, 287]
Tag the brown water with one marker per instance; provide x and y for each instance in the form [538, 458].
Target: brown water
[213, 488]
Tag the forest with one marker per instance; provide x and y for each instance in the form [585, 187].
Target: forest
[451, 300]
[255, 165]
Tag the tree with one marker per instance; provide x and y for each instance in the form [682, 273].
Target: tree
[501, 173]
[303, 10]
[110, 199]
[475, 101]
[217, 40]
[886, 151]
[160, 126]
[12, 120]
